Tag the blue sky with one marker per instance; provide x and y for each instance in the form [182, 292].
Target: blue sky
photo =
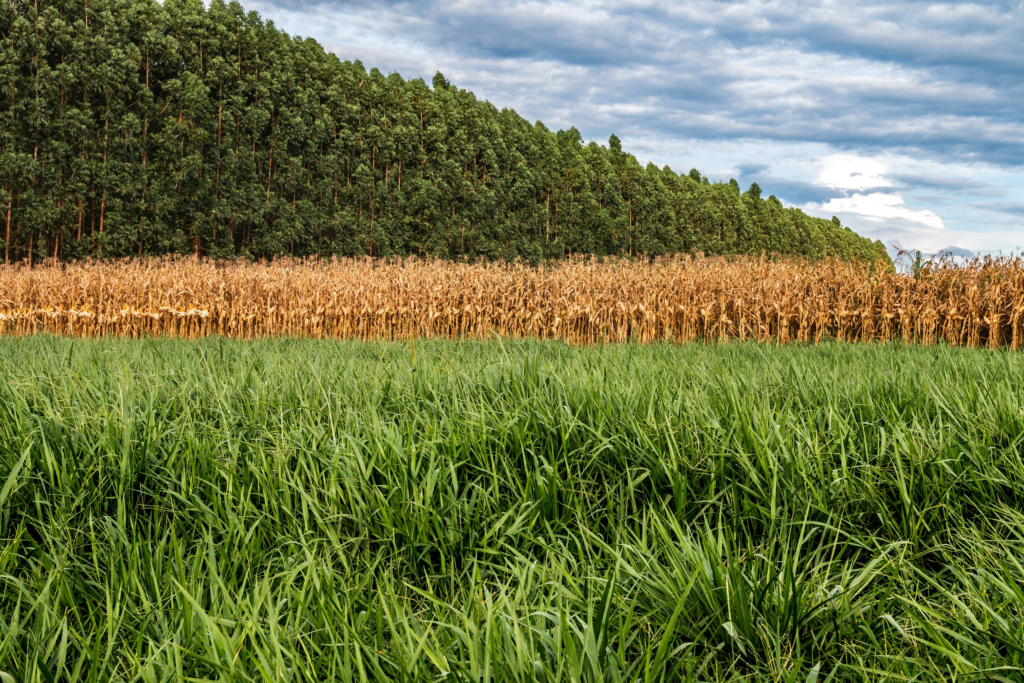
[905, 119]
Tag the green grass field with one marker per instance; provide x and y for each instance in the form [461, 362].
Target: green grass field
[316, 511]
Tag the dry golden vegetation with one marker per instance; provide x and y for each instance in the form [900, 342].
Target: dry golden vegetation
[580, 302]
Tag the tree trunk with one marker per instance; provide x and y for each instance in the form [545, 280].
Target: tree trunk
[7, 235]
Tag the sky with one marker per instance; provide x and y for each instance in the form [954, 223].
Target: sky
[905, 119]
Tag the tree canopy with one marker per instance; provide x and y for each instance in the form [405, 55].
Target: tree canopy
[131, 127]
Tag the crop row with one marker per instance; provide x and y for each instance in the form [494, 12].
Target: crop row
[581, 302]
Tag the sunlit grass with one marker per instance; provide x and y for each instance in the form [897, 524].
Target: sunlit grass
[302, 510]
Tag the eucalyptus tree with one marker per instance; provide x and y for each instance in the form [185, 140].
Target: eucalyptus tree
[135, 127]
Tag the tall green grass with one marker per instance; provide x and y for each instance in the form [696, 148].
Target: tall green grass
[292, 510]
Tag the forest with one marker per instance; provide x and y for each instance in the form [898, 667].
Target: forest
[135, 128]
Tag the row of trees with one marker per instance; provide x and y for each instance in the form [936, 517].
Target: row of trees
[134, 127]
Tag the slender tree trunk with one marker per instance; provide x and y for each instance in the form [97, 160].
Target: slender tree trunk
[270, 171]
[547, 211]
[270, 165]
[220, 110]
[373, 174]
[7, 234]
[103, 197]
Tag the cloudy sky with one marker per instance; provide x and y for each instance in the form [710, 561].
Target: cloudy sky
[905, 119]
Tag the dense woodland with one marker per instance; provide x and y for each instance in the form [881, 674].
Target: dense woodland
[131, 127]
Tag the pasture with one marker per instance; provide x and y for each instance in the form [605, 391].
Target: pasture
[308, 510]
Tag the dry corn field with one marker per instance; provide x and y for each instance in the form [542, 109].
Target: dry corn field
[581, 302]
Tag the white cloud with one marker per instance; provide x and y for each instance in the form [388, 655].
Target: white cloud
[852, 172]
[881, 206]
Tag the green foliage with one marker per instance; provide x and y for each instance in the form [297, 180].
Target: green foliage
[301, 510]
[131, 127]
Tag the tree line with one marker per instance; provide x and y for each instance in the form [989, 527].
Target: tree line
[131, 127]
